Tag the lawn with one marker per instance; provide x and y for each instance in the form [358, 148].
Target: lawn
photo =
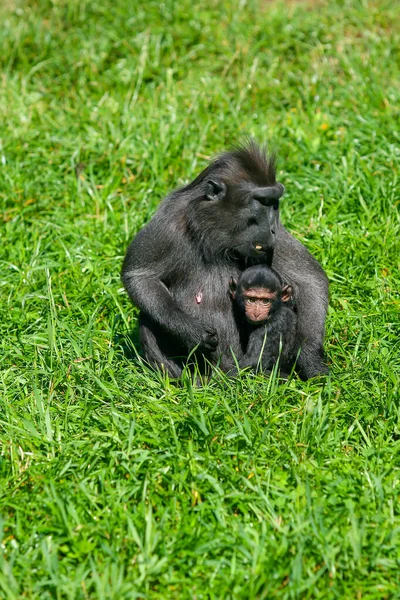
[117, 483]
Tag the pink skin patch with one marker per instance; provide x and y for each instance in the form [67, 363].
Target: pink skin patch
[199, 297]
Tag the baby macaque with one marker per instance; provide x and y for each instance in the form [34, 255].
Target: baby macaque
[266, 307]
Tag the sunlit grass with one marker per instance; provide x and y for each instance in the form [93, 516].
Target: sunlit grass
[117, 483]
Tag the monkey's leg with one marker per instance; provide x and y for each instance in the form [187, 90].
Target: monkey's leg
[257, 361]
[311, 329]
[294, 263]
[155, 348]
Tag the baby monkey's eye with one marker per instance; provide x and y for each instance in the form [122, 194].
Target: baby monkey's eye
[265, 301]
[251, 300]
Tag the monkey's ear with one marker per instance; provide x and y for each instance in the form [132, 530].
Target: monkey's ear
[287, 293]
[232, 287]
[215, 189]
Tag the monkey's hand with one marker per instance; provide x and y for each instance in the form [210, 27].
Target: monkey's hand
[245, 363]
[153, 297]
[209, 340]
[192, 333]
[202, 336]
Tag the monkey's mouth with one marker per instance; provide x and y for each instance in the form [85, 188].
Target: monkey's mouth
[257, 320]
[260, 247]
[252, 254]
[262, 252]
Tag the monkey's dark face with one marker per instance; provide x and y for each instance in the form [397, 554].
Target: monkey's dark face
[257, 212]
[239, 217]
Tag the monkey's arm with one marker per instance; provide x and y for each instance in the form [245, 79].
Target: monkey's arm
[295, 263]
[260, 351]
[145, 266]
[273, 342]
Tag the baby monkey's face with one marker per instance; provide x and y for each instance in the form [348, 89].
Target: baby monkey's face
[259, 298]
[258, 303]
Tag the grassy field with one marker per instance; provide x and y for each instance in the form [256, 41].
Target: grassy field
[115, 482]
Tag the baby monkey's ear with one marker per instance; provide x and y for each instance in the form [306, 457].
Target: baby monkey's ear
[232, 287]
[287, 293]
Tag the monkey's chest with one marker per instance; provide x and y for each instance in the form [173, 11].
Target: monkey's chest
[206, 294]
[207, 298]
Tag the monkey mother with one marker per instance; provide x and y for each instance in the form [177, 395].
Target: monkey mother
[178, 267]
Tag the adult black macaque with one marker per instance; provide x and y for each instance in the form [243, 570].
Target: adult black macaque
[264, 305]
[178, 267]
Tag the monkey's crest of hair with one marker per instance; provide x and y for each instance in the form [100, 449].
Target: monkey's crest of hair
[254, 160]
[247, 161]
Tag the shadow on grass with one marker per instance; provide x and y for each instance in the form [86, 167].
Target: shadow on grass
[127, 342]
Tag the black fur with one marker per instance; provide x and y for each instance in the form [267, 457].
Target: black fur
[202, 235]
[274, 339]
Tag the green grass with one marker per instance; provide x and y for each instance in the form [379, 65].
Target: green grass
[115, 482]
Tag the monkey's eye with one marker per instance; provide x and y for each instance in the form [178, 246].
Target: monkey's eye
[251, 300]
[265, 301]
